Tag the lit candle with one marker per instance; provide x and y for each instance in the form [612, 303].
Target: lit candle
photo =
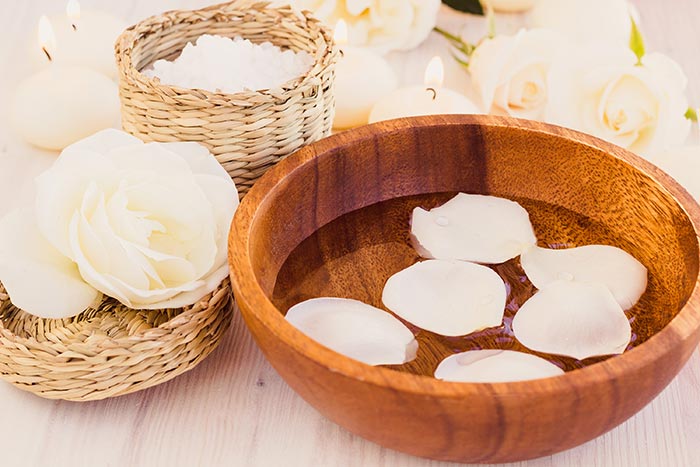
[84, 38]
[63, 104]
[361, 79]
[430, 99]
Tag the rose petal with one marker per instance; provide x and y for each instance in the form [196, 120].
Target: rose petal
[616, 269]
[451, 298]
[60, 189]
[103, 141]
[223, 196]
[148, 159]
[483, 229]
[37, 277]
[604, 21]
[189, 297]
[494, 366]
[199, 159]
[486, 65]
[355, 329]
[357, 7]
[576, 319]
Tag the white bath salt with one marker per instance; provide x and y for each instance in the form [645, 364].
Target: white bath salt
[355, 329]
[575, 319]
[220, 64]
[494, 366]
[616, 269]
[451, 298]
[483, 229]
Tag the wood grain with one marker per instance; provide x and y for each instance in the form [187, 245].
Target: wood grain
[473, 154]
[234, 409]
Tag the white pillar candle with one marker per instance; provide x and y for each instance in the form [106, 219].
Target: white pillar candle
[361, 79]
[63, 104]
[429, 99]
[83, 38]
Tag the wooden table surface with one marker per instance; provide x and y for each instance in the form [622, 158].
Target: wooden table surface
[234, 409]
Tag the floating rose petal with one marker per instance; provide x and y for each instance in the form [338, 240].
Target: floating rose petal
[451, 298]
[483, 229]
[494, 366]
[355, 329]
[576, 319]
[616, 269]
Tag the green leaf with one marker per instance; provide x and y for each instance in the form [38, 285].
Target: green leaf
[468, 6]
[491, 18]
[636, 41]
[461, 51]
[691, 114]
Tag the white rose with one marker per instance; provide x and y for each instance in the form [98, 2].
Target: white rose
[510, 6]
[586, 20]
[509, 73]
[146, 224]
[382, 25]
[602, 91]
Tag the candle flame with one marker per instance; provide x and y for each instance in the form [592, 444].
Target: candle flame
[435, 73]
[73, 12]
[341, 32]
[47, 38]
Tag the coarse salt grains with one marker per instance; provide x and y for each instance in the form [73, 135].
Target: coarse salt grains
[220, 64]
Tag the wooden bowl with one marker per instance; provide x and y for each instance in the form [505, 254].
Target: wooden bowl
[613, 190]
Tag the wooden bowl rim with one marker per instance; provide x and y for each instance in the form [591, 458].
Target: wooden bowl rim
[247, 289]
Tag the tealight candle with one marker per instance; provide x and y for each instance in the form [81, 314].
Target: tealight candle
[84, 38]
[361, 79]
[63, 104]
[430, 99]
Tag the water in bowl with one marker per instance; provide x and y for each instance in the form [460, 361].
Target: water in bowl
[354, 255]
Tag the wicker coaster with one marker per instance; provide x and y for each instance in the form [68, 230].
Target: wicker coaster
[109, 351]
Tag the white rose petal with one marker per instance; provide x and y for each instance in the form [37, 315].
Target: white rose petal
[38, 278]
[382, 25]
[102, 141]
[451, 298]
[510, 6]
[605, 21]
[614, 268]
[602, 91]
[146, 224]
[494, 366]
[509, 73]
[483, 229]
[355, 329]
[576, 319]
[357, 7]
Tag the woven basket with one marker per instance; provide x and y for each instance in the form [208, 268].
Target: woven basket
[248, 132]
[109, 351]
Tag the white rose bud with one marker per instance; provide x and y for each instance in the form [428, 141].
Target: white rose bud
[603, 91]
[382, 25]
[146, 224]
[509, 73]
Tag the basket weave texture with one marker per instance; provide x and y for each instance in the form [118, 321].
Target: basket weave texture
[108, 351]
[248, 132]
